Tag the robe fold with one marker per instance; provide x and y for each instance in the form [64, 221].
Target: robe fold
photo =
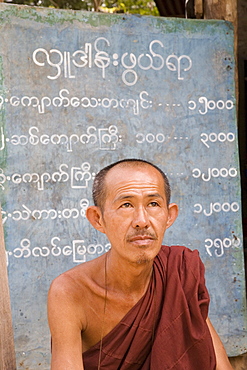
[167, 327]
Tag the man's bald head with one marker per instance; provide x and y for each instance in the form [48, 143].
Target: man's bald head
[100, 188]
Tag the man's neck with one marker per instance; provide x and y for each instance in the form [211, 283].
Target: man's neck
[127, 278]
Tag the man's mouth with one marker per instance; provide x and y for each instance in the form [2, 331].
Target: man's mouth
[141, 239]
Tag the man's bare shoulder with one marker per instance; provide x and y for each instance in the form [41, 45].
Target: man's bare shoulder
[70, 293]
[81, 278]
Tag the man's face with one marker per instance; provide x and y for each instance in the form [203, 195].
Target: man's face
[136, 214]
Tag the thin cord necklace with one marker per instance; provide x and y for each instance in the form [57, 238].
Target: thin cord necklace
[103, 323]
[104, 312]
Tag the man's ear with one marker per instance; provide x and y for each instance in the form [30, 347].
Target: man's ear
[172, 214]
[95, 217]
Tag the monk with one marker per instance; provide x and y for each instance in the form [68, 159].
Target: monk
[141, 305]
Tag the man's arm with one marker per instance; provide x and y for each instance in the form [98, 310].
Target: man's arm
[222, 362]
[65, 321]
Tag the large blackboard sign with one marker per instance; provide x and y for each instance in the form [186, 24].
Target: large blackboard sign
[81, 90]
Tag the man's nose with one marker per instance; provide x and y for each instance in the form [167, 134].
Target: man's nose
[140, 218]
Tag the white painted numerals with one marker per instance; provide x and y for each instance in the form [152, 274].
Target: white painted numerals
[218, 246]
[216, 208]
[222, 137]
[204, 105]
[211, 173]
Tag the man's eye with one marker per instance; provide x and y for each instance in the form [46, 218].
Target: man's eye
[126, 205]
[153, 204]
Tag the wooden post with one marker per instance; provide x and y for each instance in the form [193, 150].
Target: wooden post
[198, 8]
[225, 10]
[7, 351]
[221, 9]
[228, 10]
[97, 4]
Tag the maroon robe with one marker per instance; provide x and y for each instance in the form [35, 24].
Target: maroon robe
[166, 329]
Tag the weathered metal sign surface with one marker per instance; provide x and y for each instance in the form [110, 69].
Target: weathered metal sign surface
[81, 90]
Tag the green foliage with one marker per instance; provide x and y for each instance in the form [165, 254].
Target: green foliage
[60, 4]
[143, 7]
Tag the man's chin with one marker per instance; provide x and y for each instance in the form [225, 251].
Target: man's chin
[143, 261]
[145, 257]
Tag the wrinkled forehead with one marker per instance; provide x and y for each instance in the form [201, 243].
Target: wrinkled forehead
[126, 174]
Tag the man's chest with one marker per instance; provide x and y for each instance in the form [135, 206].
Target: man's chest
[103, 315]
